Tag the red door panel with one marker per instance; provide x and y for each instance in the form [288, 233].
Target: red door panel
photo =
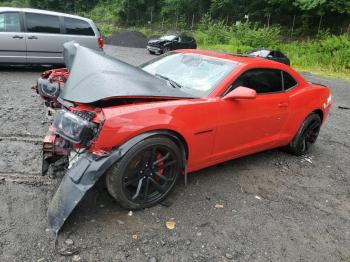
[250, 125]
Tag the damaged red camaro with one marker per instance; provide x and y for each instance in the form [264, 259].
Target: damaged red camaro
[143, 127]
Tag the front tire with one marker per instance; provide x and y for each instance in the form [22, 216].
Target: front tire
[146, 174]
[166, 50]
[306, 135]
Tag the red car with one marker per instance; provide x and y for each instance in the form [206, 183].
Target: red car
[144, 127]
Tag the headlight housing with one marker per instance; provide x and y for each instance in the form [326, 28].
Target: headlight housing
[74, 128]
[48, 89]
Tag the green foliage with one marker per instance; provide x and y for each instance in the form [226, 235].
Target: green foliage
[246, 34]
[328, 55]
[214, 24]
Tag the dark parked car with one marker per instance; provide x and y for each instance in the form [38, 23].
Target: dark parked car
[170, 42]
[274, 55]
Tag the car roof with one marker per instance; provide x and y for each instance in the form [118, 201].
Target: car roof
[242, 59]
[39, 11]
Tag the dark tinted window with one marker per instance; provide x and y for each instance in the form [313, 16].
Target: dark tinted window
[261, 80]
[9, 22]
[289, 81]
[77, 27]
[42, 23]
[278, 54]
[186, 39]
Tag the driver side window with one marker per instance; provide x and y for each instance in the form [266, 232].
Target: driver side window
[262, 80]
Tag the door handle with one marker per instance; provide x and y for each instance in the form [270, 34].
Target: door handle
[33, 37]
[283, 104]
[17, 37]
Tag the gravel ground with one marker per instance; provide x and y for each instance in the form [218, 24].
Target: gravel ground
[269, 206]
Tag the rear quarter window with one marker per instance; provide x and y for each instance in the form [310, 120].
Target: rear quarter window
[40, 23]
[186, 39]
[288, 81]
[262, 80]
[77, 27]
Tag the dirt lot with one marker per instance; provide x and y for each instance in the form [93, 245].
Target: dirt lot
[275, 207]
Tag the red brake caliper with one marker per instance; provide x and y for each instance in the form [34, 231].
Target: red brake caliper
[161, 171]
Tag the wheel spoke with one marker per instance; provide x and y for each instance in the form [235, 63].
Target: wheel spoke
[128, 183]
[161, 159]
[138, 188]
[157, 185]
[170, 163]
[314, 126]
[146, 189]
[161, 176]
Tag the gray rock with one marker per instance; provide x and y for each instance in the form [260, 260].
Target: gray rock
[228, 256]
[152, 259]
[69, 242]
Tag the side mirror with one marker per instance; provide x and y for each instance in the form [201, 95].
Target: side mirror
[240, 92]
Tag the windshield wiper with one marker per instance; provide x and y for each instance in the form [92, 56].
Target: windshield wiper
[172, 82]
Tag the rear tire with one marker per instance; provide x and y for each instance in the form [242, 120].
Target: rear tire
[152, 52]
[146, 174]
[306, 135]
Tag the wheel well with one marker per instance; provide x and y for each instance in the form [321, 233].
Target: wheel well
[319, 112]
[177, 138]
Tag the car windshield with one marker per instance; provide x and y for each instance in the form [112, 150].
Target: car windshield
[168, 37]
[194, 74]
[262, 53]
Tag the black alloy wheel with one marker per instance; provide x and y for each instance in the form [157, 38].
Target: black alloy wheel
[166, 49]
[146, 174]
[306, 135]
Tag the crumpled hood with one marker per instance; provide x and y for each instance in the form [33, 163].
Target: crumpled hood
[69, 51]
[95, 76]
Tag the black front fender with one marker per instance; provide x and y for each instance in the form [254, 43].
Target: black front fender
[83, 175]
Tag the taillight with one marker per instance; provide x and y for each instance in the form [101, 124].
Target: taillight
[100, 42]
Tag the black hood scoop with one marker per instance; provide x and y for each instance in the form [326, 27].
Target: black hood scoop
[94, 76]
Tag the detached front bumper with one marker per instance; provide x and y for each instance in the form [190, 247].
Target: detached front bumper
[83, 174]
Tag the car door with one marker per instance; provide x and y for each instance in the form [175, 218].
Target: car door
[188, 42]
[44, 39]
[183, 43]
[176, 43]
[12, 39]
[248, 126]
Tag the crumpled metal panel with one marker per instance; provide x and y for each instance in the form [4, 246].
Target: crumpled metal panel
[74, 185]
[95, 76]
[69, 51]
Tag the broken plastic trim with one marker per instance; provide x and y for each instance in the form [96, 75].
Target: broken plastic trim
[85, 173]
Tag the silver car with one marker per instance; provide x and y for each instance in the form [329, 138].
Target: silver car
[32, 36]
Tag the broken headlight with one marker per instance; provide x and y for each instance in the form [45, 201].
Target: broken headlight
[48, 89]
[74, 128]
